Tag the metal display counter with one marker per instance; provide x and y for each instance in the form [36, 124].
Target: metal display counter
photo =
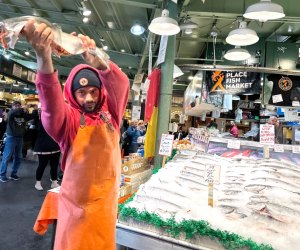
[136, 238]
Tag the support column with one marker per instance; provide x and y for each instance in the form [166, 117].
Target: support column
[166, 87]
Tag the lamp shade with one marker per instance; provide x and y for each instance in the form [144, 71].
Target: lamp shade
[177, 72]
[237, 54]
[164, 25]
[264, 10]
[242, 36]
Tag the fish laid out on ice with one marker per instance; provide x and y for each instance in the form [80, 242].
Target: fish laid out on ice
[255, 198]
[63, 44]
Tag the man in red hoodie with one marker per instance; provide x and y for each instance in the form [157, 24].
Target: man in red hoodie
[85, 122]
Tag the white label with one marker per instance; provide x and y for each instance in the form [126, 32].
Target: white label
[295, 103]
[17, 70]
[236, 144]
[212, 173]
[277, 98]
[166, 145]
[296, 149]
[136, 113]
[162, 49]
[278, 148]
[267, 134]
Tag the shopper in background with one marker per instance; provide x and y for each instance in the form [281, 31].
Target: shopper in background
[212, 124]
[180, 134]
[87, 128]
[234, 131]
[15, 130]
[48, 151]
[135, 130]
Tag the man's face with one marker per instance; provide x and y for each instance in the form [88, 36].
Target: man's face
[87, 98]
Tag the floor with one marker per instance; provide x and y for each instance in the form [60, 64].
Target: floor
[20, 203]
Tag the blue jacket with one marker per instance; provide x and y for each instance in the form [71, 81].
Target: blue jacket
[134, 133]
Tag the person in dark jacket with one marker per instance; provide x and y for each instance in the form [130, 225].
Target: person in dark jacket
[134, 131]
[15, 130]
[48, 151]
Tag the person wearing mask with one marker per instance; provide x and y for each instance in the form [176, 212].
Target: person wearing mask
[48, 151]
[85, 122]
[134, 131]
[234, 131]
[15, 130]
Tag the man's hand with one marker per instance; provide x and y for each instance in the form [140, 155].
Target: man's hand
[90, 59]
[40, 36]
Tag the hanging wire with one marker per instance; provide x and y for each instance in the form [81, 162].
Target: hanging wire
[278, 60]
[214, 49]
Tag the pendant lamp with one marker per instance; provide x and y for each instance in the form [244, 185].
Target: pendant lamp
[164, 25]
[242, 36]
[264, 10]
[237, 54]
[177, 72]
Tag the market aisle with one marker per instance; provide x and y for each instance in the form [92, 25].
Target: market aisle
[20, 203]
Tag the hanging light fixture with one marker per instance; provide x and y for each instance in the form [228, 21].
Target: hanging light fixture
[177, 72]
[85, 10]
[237, 54]
[242, 36]
[137, 29]
[187, 26]
[164, 25]
[264, 10]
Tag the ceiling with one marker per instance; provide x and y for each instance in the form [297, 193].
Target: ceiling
[111, 21]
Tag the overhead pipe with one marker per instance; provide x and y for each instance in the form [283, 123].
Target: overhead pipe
[239, 68]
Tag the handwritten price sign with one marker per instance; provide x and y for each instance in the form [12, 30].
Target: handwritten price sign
[267, 134]
[212, 173]
[296, 149]
[166, 145]
[278, 148]
[236, 144]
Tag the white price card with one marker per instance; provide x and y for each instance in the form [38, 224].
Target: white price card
[296, 149]
[166, 145]
[295, 103]
[277, 98]
[278, 148]
[236, 144]
[267, 134]
[212, 173]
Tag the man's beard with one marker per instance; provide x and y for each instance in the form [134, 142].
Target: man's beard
[89, 107]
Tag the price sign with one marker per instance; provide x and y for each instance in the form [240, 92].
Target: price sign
[212, 173]
[267, 134]
[278, 148]
[296, 149]
[236, 144]
[166, 145]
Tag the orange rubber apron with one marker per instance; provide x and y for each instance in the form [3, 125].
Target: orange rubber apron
[87, 208]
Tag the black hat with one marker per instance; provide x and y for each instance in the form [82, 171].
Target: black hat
[86, 77]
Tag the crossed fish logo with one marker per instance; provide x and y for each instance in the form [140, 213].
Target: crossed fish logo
[217, 78]
[285, 83]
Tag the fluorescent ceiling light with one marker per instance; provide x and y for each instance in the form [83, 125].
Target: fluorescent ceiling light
[264, 10]
[237, 54]
[242, 36]
[85, 10]
[177, 72]
[137, 29]
[164, 25]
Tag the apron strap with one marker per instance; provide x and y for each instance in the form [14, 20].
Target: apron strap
[82, 122]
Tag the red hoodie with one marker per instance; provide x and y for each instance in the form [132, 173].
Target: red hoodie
[61, 113]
